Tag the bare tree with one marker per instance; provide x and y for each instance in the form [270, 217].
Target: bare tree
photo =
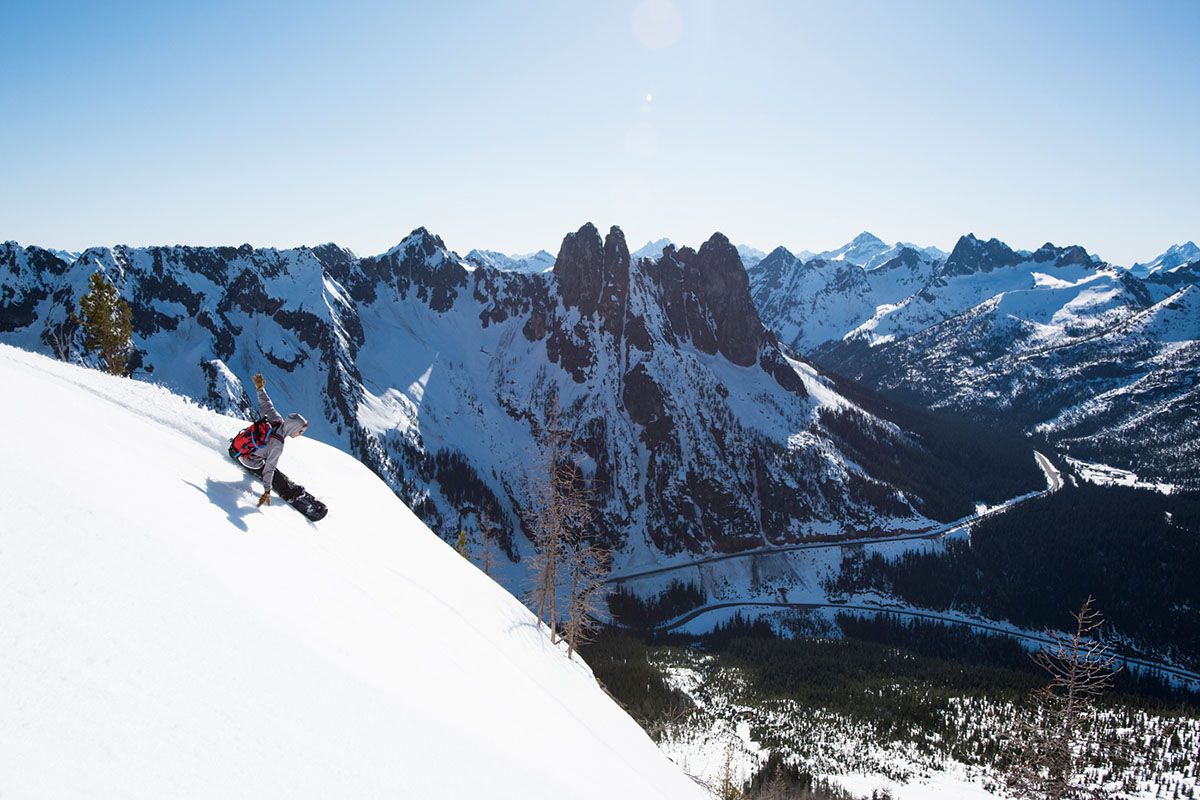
[553, 506]
[587, 565]
[60, 336]
[487, 531]
[1081, 667]
[568, 567]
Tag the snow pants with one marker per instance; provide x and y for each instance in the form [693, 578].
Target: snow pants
[280, 483]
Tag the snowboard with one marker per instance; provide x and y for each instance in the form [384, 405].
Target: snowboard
[309, 506]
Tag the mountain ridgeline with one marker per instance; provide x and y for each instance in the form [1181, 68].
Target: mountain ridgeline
[1096, 360]
[699, 431]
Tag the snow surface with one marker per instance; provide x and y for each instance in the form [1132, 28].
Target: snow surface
[163, 637]
[1105, 475]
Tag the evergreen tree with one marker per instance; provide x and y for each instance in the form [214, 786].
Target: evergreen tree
[461, 545]
[107, 324]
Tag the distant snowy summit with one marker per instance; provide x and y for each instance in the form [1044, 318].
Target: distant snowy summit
[652, 250]
[1176, 256]
[869, 251]
[541, 261]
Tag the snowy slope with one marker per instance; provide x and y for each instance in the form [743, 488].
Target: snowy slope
[162, 637]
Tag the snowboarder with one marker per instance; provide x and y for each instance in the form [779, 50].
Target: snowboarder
[261, 461]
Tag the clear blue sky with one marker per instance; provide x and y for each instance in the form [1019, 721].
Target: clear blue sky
[504, 125]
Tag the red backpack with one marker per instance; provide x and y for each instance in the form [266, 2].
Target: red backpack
[250, 439]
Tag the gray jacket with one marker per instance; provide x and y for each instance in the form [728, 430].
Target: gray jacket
[267, 456]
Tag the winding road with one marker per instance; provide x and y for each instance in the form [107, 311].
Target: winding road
[1189, 678]
[1054, 482]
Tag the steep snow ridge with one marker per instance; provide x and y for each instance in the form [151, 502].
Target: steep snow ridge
[165, 638]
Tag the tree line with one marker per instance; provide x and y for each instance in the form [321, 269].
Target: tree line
[1135, 550]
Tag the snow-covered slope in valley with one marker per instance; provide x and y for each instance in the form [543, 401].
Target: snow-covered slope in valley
[162, 637]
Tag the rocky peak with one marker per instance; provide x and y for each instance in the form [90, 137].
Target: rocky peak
[778, 260]
[420, 261]
[720, 312]
[579, 269]
[1062, 256]
[768, 274]
[420, 242]
[593, 275]
[970, 256]
[614, 287]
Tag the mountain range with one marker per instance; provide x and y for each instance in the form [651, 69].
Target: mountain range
[698, 431]
[707, 400]
[1097, 360]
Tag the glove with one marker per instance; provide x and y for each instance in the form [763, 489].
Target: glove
[259, 382]
[266, 498]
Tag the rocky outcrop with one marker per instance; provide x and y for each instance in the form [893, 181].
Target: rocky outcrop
[720, 313]
[971, 256]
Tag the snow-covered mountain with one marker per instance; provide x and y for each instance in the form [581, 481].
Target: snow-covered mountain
[869, 251]
[810, 303]
[163, 637]
[750, 255]
[652, 250]
[1176, 256]
[540, 261]
[701, 433]
[1054, 341]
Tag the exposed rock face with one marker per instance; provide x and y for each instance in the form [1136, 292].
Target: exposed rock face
[697, 428]
[721, 315]
[971, 256]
